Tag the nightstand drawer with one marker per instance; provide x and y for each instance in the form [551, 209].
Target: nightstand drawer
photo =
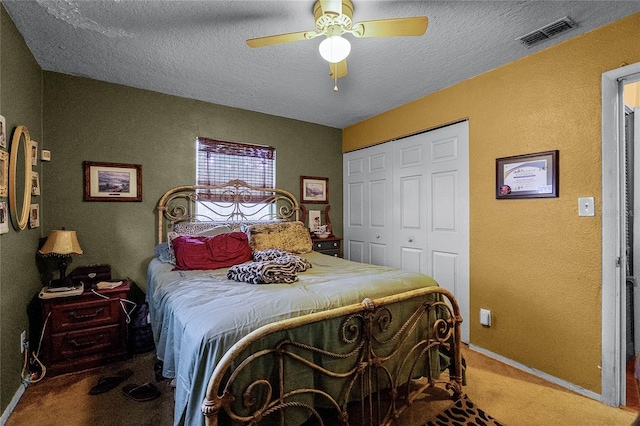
[84, 331]
[326, 245]
[330, 246]
[82, 315]
[82, 343]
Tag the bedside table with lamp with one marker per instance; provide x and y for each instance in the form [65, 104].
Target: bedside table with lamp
[84, 318]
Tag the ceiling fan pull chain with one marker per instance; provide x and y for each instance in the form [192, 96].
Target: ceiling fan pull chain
[335, 77]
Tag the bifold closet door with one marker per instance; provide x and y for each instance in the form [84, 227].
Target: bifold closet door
[367, 176]
[407, 205]
[410, 201]
[448, 212]
[431, 208]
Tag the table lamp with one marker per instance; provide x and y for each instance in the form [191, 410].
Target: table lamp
[61, 243]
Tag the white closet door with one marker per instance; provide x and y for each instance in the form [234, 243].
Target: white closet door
[410, 203]
[367, 176]
[407, 205]
[448, 194]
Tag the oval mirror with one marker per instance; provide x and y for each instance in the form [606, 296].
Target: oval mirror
[20, 177]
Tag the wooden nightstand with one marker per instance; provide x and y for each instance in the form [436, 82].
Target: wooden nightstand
[84, 331]
[330, 245]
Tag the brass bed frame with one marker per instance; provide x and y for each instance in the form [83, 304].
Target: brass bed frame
[364, 329]
[228, 202]
[384, 352]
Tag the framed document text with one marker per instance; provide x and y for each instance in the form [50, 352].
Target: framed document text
[527, 176]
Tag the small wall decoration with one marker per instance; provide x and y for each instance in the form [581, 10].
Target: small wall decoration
[45, 155]
[3, 132]
[112, 181]
[314, 220]
[34, 216]
[34, 153]
[314, 189]
[35, 183]
[4, 218]
[19, 211]
[4, 173]
[527, 176]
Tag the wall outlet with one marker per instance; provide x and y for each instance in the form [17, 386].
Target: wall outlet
[485, 317]
[23, 342]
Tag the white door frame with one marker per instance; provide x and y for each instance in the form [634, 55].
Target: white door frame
[613, 221]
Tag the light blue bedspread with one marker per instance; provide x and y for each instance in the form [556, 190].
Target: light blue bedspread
[198, 315]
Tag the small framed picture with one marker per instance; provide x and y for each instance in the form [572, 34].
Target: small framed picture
[314, 220]
[112, 181]
[3, 132]
[45, 155]
[4, 218]
[314, 189]
[4, 173]
[34, 153]
[34, 216]
[35, 183]
[527, 176]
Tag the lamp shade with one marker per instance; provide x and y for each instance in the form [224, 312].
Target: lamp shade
[61, 243]
[334, 49]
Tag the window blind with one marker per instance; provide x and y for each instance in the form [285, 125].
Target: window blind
[219, 162]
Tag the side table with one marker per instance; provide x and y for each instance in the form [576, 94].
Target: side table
[84, 331]
[330, 245]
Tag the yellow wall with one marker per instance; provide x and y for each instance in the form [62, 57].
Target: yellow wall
[632, 94]
[534, 263]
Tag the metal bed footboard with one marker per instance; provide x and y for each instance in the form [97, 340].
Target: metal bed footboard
[377, 360]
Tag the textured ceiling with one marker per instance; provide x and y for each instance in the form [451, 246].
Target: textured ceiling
[197, 49]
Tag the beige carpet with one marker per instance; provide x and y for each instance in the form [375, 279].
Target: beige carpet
[516, 398]
[64, 400]
[513, 397]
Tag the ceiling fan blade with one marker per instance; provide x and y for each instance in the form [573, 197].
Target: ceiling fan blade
[281, 38]
[398, 27]
[340, 68]
[331, 7]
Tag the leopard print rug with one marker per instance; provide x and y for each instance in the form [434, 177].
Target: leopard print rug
[463, 413]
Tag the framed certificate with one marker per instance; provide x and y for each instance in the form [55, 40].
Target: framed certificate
[527, 176]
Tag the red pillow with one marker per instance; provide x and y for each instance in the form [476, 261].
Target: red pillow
[206, 252]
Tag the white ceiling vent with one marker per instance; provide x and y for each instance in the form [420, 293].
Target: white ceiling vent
[553, 29]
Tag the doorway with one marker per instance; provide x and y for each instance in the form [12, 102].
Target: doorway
[632, 239]
[614, 236]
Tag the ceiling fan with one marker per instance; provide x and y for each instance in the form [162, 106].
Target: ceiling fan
[335, 18]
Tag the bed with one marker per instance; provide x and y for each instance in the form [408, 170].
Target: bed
[340, 333]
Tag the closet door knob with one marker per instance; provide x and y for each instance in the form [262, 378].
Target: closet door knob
[410, 240]
[377, 237]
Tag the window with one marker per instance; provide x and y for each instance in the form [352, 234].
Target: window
[219, 162]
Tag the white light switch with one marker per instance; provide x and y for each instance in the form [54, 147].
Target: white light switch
[586, 206]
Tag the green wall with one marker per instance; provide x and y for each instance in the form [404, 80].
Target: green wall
[89, 120]
[20, 104]
[80, 119]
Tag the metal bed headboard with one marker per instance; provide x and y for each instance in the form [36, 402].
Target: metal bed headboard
[234, 201]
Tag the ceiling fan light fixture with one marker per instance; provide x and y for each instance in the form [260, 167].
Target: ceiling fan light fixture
[334, 49]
